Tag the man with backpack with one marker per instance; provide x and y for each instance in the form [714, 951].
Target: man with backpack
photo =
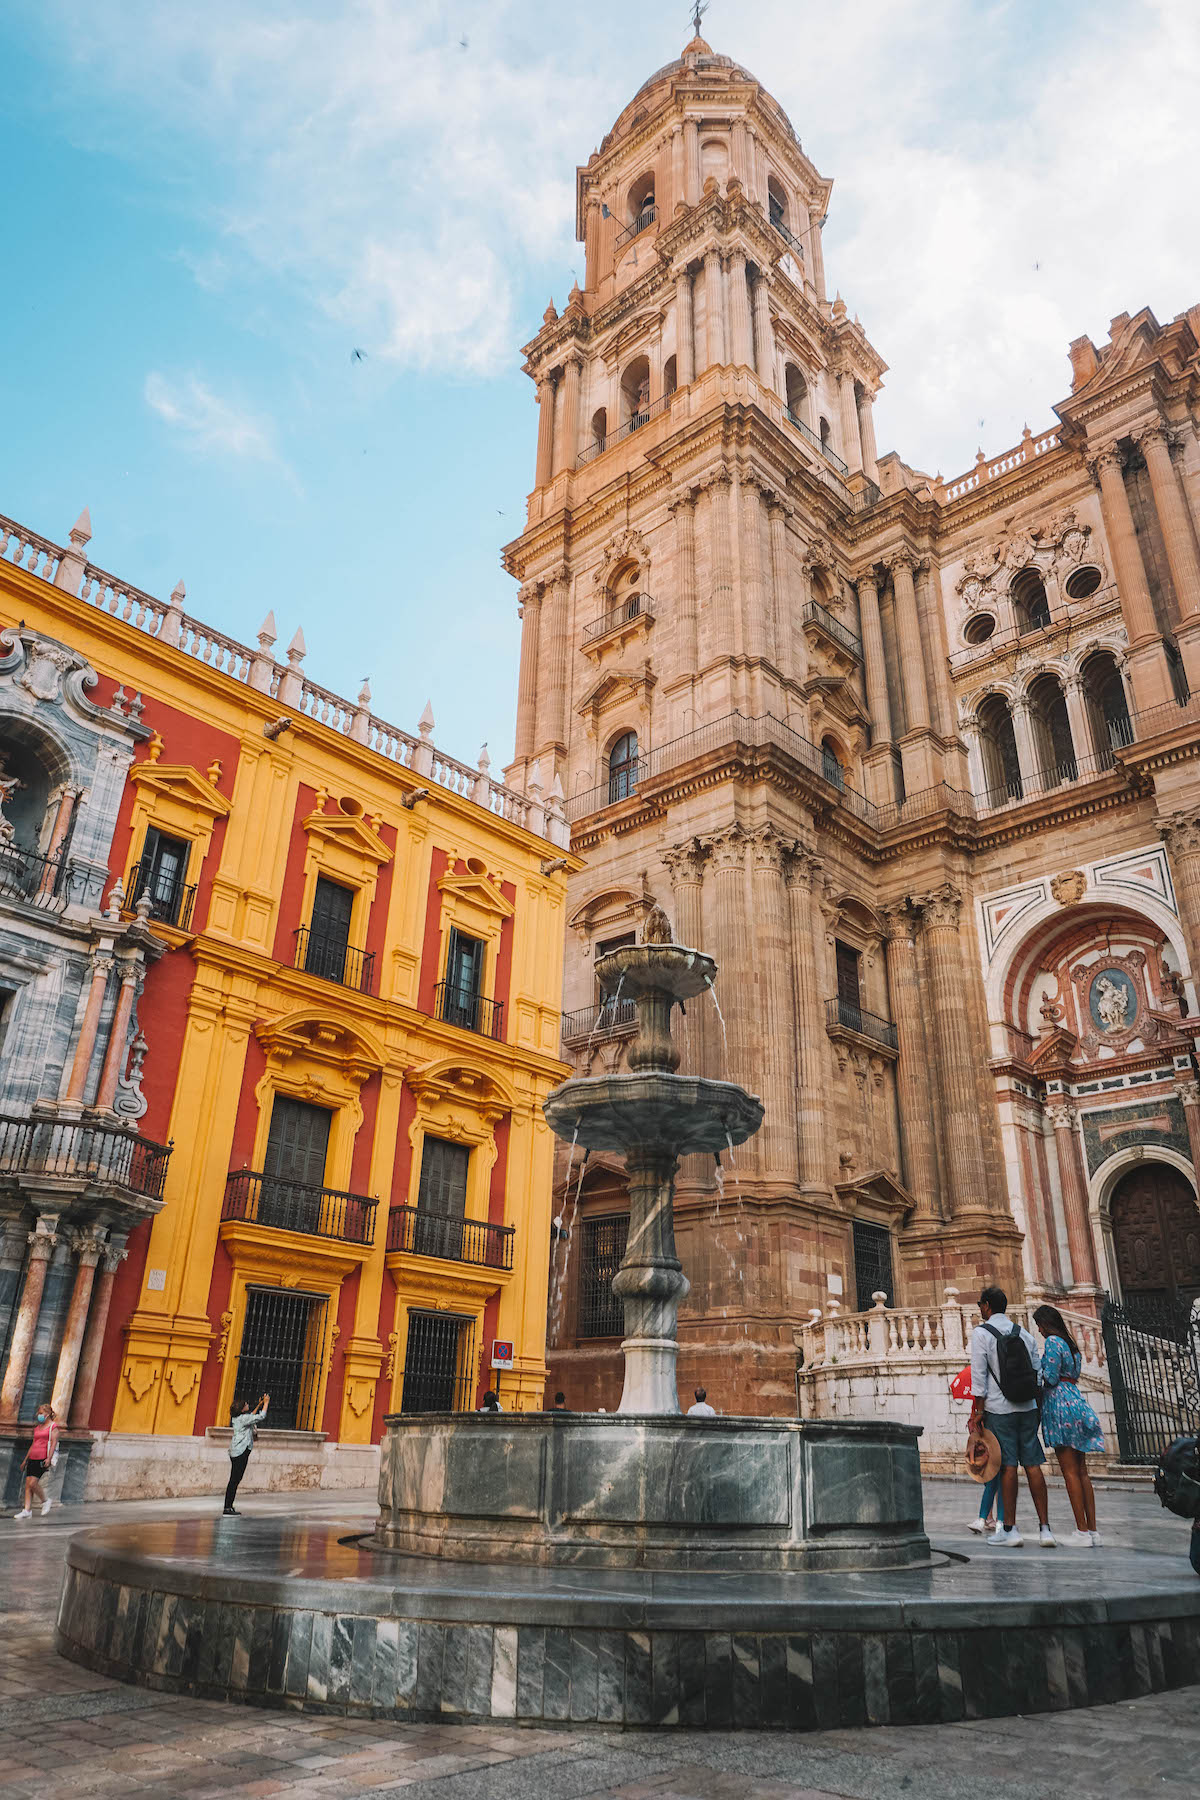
[1005, 1362]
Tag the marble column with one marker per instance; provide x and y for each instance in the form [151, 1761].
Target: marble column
[875, 667]
[545, 438]
[714, 309]
[527, 679]
[42, 1240]
[781, 611]
[741, 349]
[691, 161]
[1079, 719]
[117, 1048]
[848, 407]
[552, 698]
[77, 1085]
[685, 338]
[803, 873]
[58, 835]
[1148, 666]
[88, 1249]
[908, 630]
[1073, 1184]
[764, 333]
[775, 1148]
[1181, 834]
[93, 1344]
[566, 447]
[722, 641]
[914, 1063]
[686, 646]
[954, 1050]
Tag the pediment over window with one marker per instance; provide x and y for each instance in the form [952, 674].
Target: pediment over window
[462, 1083]
[322, 1041]
[615, 686]
[475, 889]
[878, 1191]
[348, 833]
[180, 783]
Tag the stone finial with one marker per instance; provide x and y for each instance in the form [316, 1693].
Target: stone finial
[267, 633]
[169, 626]
[135, 709]
[711, 185]
[145, 901]
[69, 574]
[178, 594]
[364, 692]
[550, 316]
[425, 722]
[556, 790]
[951, 1296]
[839, 307]
[118, 703]
[213, 771]
[116, 899]
[81, 530]
[533, 781]
[297, 650]
[483, 762]
[879, 1300]
[575, 295]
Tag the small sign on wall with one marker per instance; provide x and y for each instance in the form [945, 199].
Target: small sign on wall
[156, 1281]
[502, 1354]
[834, 1284]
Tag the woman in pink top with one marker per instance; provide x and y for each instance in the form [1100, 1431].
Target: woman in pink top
[38, 1458]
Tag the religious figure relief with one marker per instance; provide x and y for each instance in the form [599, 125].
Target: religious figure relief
[1113, 1002]
[656, 927]
[8, 787]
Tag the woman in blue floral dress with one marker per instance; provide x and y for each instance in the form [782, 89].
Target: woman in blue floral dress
[1069, 1426]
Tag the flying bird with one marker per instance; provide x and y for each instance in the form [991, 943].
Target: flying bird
[358, 356]
[463, 43]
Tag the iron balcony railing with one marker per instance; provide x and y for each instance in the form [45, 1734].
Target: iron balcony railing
[43, 881]
[332, 960]
[644, 219]
[600, 1020]
[257, 1199]
[816, 614]
[108, 1156]
[830, 455]
[1165, 717]
[793, 243]
[450, 1238]
[171, 902]
[856, 1018]
[634, 606]
[1049, 776]
[633, 423]
[471, 1012]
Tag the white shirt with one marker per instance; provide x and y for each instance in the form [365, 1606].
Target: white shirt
[702, 1410]
[245, 1429]
[985, 1366]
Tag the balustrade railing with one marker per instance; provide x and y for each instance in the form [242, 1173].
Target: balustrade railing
[450, 1238]
[984, 471]
[827, 450]
[41, 881]
[1153, 720]
[25, 550]
[254, 1198]
[793, 243]
[1071, 771]
[170, 901]
[926, 1334]
[105, 1156]
[856, 1018]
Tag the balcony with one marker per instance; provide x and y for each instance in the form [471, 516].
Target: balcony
[449, 1238]
[831, 456]
[252, 1198]
[635, 609]
[331, 960]
[824, 621]
[42, 881]
[642, 223]
[170, 902]
[597, 1022]
[470, 1012]
[80, 1154]
[793, 243]
[633, 423]
[845, 1015]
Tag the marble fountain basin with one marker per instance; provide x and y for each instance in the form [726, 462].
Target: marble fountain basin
[653, 1110]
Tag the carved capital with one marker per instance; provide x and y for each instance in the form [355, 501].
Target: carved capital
[899, 925]
[43, 1238]
[941, 908]
[717, 478]
[803, 869]
[1181, 832]
[684, 502]
[1106, 457]
[1062, 1115]
[899, 559]
[1154, 431]
[1189, 1092]
[115, 1254]
[87, 1241]
[768, 848]
[727, 849]
[685, 862]
[868, 578]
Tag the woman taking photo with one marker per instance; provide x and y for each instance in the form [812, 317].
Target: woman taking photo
[1069, 1426]
[245, 1425]
[38, 1458]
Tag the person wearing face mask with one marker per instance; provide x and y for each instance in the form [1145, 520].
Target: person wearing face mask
[42, 1452]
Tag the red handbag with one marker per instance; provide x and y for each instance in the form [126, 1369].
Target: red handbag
[960, 1387]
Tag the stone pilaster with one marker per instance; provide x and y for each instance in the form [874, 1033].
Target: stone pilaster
[566, 447]
[740, 348]
[962, 1133]
[764, 333]
[42, 1240]
[1181, 833]
[527, 680]
[775, 1145]
[778, 513]
[1147, 661]
[1179, 539]
[933, 632]
[687, 647]
[848, 408]
[721, 634]
[875, 668]
[803, 873]
[552, 697]
[714, 309]
[1189, 1094]
[545, 438]
[727, 870]
[914, 1064]
[691, 161]
[750, 563]
[1073, 1184]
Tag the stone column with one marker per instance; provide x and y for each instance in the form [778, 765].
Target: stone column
[954, 1050]
[818, 256]
[728, 873]
[764, 334]
[545, 440]
[527, 680]
[117, 1048]
[58, 834]
[914, 1062]
[1148, 667]
[1065, 1121]
[685, 339]
[933, 623]
[77, 1085]
[775, 1147]
[802, 872]
[691, 162]
[750, 559]
[552, 699]
[722, 641]
[908, 630]
[93, 1344]
[1189, 1094]
[1027, 756]
[781, 611]
[875, 668]
[42, 1240]
[738, 156]
[1080, 722]
[591, 241]
[677, 176]
[1181, 834]
[1180, 542]
[566, 447]
[685, 865]
[89, 1248]
[714, 310]
[866, 435]
[687, 648]
[848, 406]
[977, 775]
[741, 349]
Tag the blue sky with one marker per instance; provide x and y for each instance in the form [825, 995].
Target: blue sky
[216, 204]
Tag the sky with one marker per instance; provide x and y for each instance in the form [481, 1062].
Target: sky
[209, 207]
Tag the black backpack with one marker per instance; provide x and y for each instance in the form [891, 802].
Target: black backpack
[1177, 1477]
[1018, 1382]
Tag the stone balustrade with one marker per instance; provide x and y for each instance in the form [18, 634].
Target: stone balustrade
[898, 1363]
[986, 469]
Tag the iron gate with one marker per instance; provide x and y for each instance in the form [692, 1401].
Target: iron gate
[1153, 1348]
[283, 1354]
[439, 1363]
[872, 1264]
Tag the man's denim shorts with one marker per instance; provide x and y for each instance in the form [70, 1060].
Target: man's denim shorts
[1017, 1435]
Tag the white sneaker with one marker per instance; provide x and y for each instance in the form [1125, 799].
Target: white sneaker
[46, 1505]
[1012, 1539]
[1097, 1540]
[1046, 1538]
[1082, 1538]
[26, 1512]
[977, 1525]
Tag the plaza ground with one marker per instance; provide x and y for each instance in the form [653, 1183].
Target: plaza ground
[66, 1732]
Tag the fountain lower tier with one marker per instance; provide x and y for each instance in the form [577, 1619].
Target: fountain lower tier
[620, 1491]
[654, 1111]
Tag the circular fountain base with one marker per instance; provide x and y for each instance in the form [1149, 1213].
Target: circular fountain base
[631, 1491]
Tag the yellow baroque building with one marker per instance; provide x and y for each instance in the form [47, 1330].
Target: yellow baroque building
[280, 990]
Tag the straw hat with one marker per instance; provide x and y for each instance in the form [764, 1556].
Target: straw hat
[983, 1455]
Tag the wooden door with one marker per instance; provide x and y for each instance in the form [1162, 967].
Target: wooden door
[1156, 1233]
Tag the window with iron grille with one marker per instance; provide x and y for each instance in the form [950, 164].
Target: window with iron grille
[441, 1199]
[601, 1313]
[439, 1363]
[294, 1165]
[163, 873]
[283, 1354]
[872, 1264]
[329, 930]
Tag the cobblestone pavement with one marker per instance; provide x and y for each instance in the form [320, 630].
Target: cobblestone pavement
[66, 1734]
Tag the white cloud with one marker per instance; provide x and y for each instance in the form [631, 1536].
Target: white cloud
[207, 422]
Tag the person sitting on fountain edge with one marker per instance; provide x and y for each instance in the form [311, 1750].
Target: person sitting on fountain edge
[491, 1402]
[702, 1410]
[560, 1403]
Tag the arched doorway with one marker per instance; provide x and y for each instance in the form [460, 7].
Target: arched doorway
[1156, 1234]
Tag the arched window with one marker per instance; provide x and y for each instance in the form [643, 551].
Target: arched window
[824, 433]
[714, 161]
[670, 375]
[777, 205]
[640, 202]
[998, 744]
[600, 427]
[1029, 602]
[1052, 732]
[635, 393]
[1108, 710]
[623, 767]
[831, 766]
[796, 394]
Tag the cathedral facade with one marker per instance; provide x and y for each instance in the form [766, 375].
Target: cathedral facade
[915, 760]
